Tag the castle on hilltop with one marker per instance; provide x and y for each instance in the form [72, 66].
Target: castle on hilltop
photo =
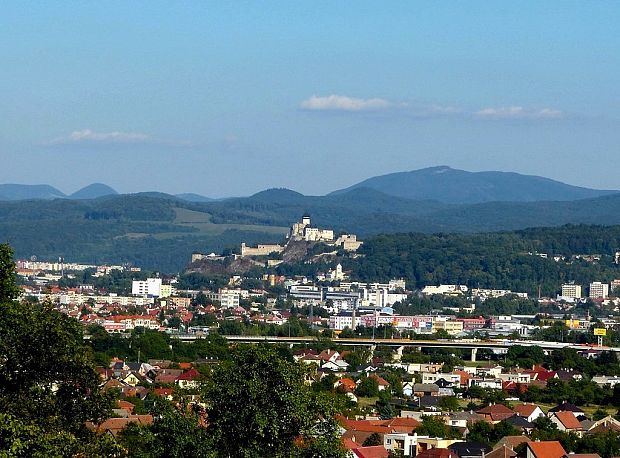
[304, 230]
[300, 231]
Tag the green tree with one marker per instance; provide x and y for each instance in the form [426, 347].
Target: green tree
[8, 288]
[258, 405]
[47, 374]
[434, 426]
[19, 438]
[48, 385]
[373, 439]
[367, 387]
[357, 357]
[449, 403]
[174, 434]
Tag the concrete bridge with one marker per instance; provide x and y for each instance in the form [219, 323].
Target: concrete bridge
[499, 346]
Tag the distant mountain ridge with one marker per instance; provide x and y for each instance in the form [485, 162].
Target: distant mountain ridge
[440, 184]
[160, 231]
[448, 185]
[192, 197]
[46, 192]
[12, 191]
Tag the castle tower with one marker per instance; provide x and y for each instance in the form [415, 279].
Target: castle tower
[305, 220]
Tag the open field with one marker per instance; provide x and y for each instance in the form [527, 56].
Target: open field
[202, 222]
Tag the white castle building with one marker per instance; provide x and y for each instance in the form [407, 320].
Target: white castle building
[304, 231]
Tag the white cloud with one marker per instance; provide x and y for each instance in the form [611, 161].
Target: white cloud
[91, 136]
[343, 103]
[518, 112]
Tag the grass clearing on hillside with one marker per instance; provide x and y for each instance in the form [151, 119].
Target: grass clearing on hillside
[202, 222]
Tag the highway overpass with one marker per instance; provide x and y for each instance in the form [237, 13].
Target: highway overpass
[498, 346]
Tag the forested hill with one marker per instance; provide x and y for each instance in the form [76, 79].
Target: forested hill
[449, 185]
[159, 231]
[510, 260]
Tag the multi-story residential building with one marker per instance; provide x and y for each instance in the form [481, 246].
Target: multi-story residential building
[444, 289]
[598, 290]
[451, 327]
[229, 298]
[149, 287]
[471, 324]
[571, 290]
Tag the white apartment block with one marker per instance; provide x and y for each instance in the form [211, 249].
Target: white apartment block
[598, 290]
[339, 322]
[571, 290]
[444, 289]
[149, 287]
[229, 298]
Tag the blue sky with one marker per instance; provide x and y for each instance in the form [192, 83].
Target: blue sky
[229, 98]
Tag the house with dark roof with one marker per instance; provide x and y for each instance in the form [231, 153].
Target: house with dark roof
[425, 389]
[463, 419]
[520, 423]
[566, 407]
[469, 449]
[429, 402]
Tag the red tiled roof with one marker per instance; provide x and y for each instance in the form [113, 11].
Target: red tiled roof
[163, 391]
[501, 452]
[437, 453]
[547, 449]
[116, 425]
[347, 384]
[125, 405]
[496, 412]
[191, 374]
[525, 410]
[364, 425]
[380, 380]
[349, 444]
[376, 451]
[513, 441]
[568, 420]
[403, 421]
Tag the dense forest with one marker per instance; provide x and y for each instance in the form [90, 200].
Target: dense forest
[495, 260]
[159, 232]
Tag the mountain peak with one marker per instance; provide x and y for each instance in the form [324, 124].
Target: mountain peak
[277, 193]
[93, 191]
[454, 186]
